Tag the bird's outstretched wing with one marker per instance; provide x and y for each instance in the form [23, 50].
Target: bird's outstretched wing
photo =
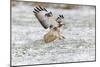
[42, 15]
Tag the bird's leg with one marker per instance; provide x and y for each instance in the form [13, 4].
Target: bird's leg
[60, 36]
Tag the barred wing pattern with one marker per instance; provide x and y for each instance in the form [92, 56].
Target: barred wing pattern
[42, 15]
[46, 18]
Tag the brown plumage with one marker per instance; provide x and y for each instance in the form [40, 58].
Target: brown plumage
[47, 20]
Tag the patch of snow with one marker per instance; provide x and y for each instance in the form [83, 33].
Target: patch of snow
[27, 33]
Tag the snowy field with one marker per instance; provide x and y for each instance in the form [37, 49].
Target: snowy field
[28, 47]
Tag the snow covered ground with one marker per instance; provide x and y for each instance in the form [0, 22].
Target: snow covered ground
[27, 44]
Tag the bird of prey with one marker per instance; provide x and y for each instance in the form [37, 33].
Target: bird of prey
[48, 21]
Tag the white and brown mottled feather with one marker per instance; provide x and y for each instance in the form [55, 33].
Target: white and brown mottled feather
[47, 20]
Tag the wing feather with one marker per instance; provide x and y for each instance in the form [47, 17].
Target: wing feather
[43, 20]
[40, 13]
